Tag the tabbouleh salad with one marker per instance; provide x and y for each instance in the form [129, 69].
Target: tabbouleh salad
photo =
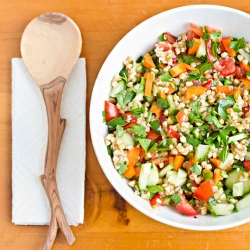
[179, 118]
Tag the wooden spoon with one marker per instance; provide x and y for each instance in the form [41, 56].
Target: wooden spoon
[50, 47]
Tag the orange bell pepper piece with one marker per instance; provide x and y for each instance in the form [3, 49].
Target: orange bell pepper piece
[226, 43]
[148, 61]
[137, 172]
[178, 69]
[215, 161]
[132, 159]
[162, 94]
[194, 91]
[170, 159]
[149, 83]
[217, 176]
[189, 67]
[236, 93]
[223, 89]
[246, 67]
[178, 161]
[156, 110]
[204, 191]
[246, 82]
[171, 89]
[192, 50]
[181, 117]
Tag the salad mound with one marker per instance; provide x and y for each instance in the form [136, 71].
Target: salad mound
[179, 118]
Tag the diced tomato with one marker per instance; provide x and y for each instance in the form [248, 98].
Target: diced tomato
[172, 133]
[211, 56]
[247, 164]
[162, 119]
[165, 46]
[181, 117]
[228, 66]
[132, 122]
[196, 29]
[156, 201]
[196, 82]
[204, 191]
[185, 207]
[191, 35]
[240, 73]
[111, 111]
[245, 109]
[207, 84]
[174, 60]
[171, 38]
[193, 183]
[153, 136]
[222, 48]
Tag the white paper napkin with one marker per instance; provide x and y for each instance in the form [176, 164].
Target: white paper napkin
[30, 205]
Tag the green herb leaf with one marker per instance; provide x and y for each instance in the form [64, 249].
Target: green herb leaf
[110, 152]
[193, 75]
[166, 77]
[120, 97]
[122, 168]
[129, 97]
[208, 176]
[136, 112]
[222, 113]
[189, 59]
[103, 116]
[223, 154]
[194, 118]
[155, 189]
[172, 114]
[176, 198]
[124, 74]
[161, 37]
[153, 148]
[215, 35]
[120, 131]
[116, 121]
[190, 44]
[155, 125]
[139, 60]
[194, 142]
[145, 144]
[237, 44]
[195, 169]
[161, 103]
[138, 130]
[205, 66]
[195, 107]
[212, 201]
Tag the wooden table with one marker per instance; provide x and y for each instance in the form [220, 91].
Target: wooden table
[110, 222]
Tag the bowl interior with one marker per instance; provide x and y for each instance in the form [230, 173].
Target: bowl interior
[136, 43]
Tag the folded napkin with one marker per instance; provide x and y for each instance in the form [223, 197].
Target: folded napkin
[30, 205]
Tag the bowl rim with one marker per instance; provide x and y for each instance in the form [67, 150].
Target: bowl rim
[94, 142]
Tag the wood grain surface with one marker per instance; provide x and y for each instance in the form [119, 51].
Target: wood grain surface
[110, 222]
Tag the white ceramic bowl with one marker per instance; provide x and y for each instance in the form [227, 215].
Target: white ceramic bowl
[136, 43]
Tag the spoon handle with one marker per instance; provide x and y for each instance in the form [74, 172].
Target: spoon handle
[52, 94]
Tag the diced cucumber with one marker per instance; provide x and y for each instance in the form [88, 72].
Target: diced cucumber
[149, 99]
[153, 176]
[127, 140]
[143, 177]
[155, 89]
[201, 152]
[181, 173]
[202, 49]
[246, 187]
[197, 134]
[169, 173]
[244, 54]
[243, 203]
[247, 156]
[238, 189]
[233, 177]
[237, 137]
[227, 163]
[165, 170]
[218, 193]
[138, 98]
[173, 178]
[114, 90]
[171, 103]
[222, 209]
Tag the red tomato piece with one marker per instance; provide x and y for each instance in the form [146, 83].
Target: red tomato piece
[240, 72]
[228, 66]
[191, 35]
[171, 38]
[247, 164]
[196, 83]
[156, 201]
[162, 119]
[207, 84]
[222, 48]
[172, 133]
[196, 29]
[245, 109]
[153, 136]
[185, 207]
[165, 46]
[210, 54]
[132, 122]
[204, 191]
[111, 111]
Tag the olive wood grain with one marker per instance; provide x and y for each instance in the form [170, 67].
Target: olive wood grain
[52, 94]
[50, 47]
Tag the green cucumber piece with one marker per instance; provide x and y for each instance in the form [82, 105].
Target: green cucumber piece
[149, 99]
[169, 173]
[153, 176]
[238, 189]
[197, 134]
[181, 173]
[155, 90]
[237, 137]
[115, 90]
[247, 157]
[138, 98]
[171, 103]
[233, 177]
[165, 170]
[222, 209]
[227, 163]
[201, 152]
[127, 140]
[244, 54]
[202, 49]
[243, 203]
[143, 177]
[140, 68]
[218, 193]
[173, 178]
[246, 187]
